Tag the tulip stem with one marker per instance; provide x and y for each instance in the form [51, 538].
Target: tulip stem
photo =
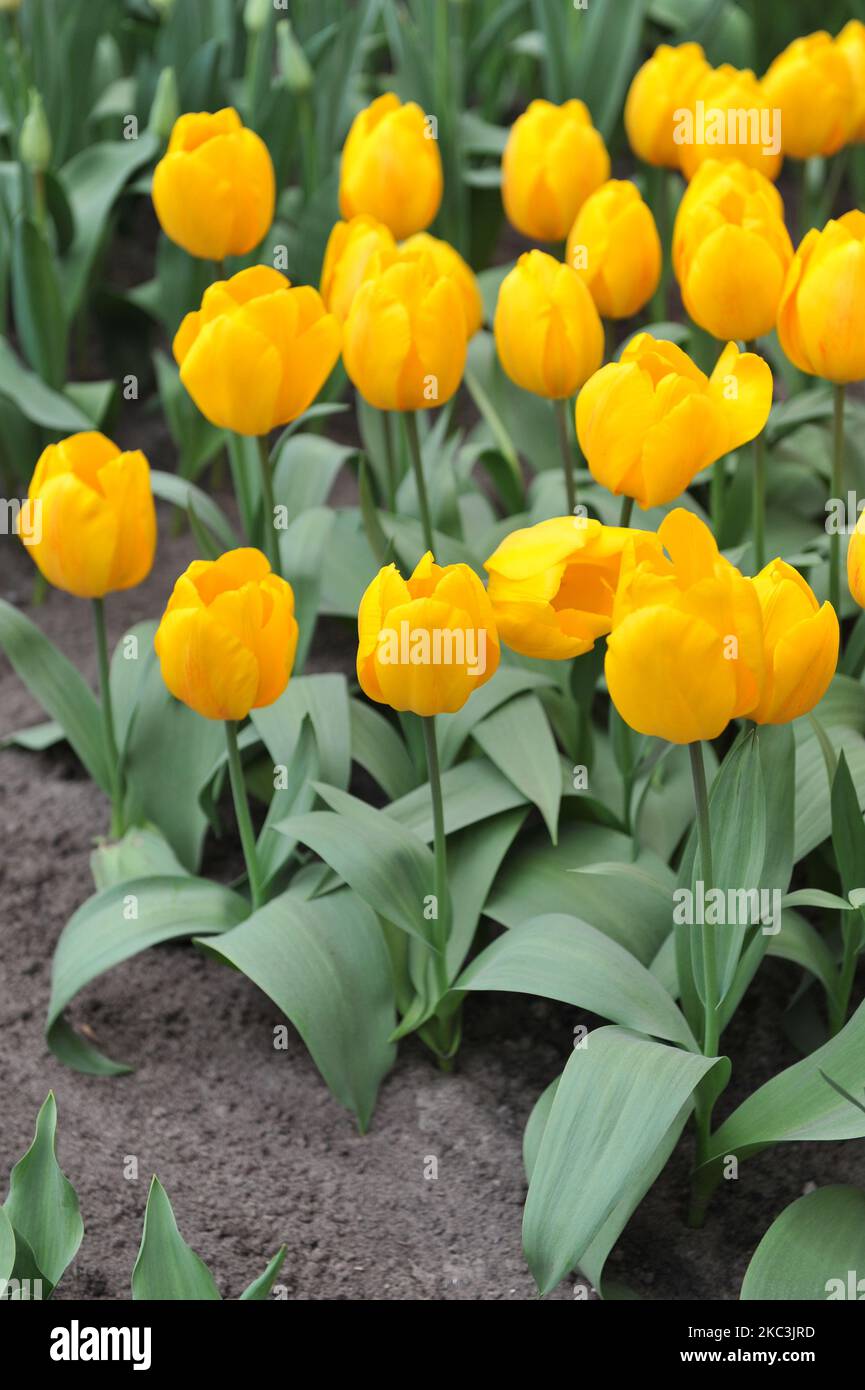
[627, 509]
[442, 919]
[390, 460]
[710, 964]
[116, 781]
[420, 481]
[241, 811]
[271, 539]
[759, 517]
[837, 489]
[561, 413]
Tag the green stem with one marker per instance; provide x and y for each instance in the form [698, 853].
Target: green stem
[561, 412]
[306, 121]
[716, 496]
[269, 534]
[117, 825]
[759, 503]
[390, 460]
[241, 811]
[850, 935]
[442, 929]
[420, 481]
[626, 512]
[837, 490]
[710, 965]
[659, 199]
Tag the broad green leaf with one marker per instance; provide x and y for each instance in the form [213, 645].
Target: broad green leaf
[36, 738]
[40, 319]
[7, 1250]
[305, 469]
[304, 548]
[472, 791]
[475, 856]
[130, 663]
[617, 1099]
[799, 942]
[260, 1288]
[848, 842]
[142, 853]
[42, 1204]
[809, 1251]
[324, 699]
[116, 924]
[35, 400]
[562, 958]
[609, 49]
[325, 965]
[517, 738]
[841, 713]
[184, 494]
[166, 1267]
[60, 689]
[377, 747]
[452, 730]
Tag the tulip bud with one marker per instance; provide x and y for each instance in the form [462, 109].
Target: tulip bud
[800, 642]
[823, 302]
[165, 104]
[351, 248]
[391, 167]
[34, 144]
[89, 521]
[426, 643]
[294, 67]
[685, 655]
[548, 334]
[663, 85]
[649, 423]
[554, 158]
[615, 249]
[107, 62]
[227, 638]
[812, 86]
[258, 351]
[851, 42]
[729, 117]
[448, 261]
[856, 562]
[255, 15]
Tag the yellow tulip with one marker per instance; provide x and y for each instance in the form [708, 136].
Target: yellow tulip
[662, 86]
[731, 250]
[800, 643]
[685, 654]
[426, 643]
[615, 248]
[391, 167]
[214, 189]
[227, 638]
[548, 333]
[856, 562]
[552, 585]
[258, 351]
[554, 158]
[812, 86]
[404, 342]
[89, 520]
[823, 302]
[728, 117]
[448, 261]
[649, 423]
[851, 42]
[351, 247]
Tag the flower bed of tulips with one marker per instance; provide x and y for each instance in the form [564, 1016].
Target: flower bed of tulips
[432, 436]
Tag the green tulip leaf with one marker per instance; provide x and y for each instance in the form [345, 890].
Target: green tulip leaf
[260, 1288]
[42, 1205]
[518, 740]
[166, 1267]
[184, 494]
[472, 791]
[40, 318]
[814, 1251]
[377, 747]
[36, 401]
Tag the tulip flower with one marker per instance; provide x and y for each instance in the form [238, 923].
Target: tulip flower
[214, 189]
[254, 356]
[226, 645]
[800, 644]
[552, 585]
[404, 345]
[448, 261]
[554, 158]
[549, 337]
[351, 247]
[90, 525]
[728, 117]
[819, 326]
[649, 423]
[391, 167]
[662, 86]
[851, 42]
[856, 562]
[731, 250]
[812, 86]
[615, 249]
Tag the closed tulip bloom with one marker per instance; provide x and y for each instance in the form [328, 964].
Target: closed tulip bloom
[851, 42]
[391, 167]
[812, 86]
[800, 643]
[351, 247]
[227, 638]
[822, 306]
[548, 333]
[214, 189]
[731, 250]
[448, 261]
[404, 342]
[426, 643]
[554, 158]
[738, 123]
[615, 248]
[662, 87]
[649, 423]
[685, 655]
[89, 520]
[552, 585]
[257, 352]
[856, 562]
